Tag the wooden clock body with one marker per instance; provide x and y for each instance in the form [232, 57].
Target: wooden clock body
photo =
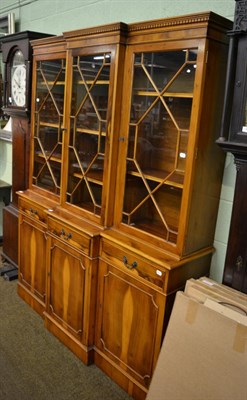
[20, 114]
[233, 139]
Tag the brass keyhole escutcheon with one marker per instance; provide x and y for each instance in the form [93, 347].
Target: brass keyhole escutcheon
[239, 263]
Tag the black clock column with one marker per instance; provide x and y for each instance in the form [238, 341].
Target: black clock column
[233, 139]
[20, 114]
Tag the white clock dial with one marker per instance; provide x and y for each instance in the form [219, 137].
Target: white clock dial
[18, 86]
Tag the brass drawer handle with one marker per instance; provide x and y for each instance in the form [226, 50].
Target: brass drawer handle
[64, 236]
[129, 266]
[34, 212]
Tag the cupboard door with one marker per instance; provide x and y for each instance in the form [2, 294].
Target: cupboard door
[32, 263]
[48, 124]
[158, 129]
[129, 322]
[69, 287]
[89, 119]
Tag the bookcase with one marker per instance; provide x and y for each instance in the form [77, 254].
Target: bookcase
[124, 186]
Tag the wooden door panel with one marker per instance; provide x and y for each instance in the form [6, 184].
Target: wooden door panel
[32, 263]
[67, 288]
[129, 321]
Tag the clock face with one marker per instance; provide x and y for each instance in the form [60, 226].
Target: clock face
[18, 80]
[18, 86]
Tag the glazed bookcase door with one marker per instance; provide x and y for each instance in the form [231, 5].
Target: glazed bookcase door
[158, 134]
[91, 76]
[48, 124]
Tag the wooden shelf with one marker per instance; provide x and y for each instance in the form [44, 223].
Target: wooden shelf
[51, 83]
[98, 82]
[175, 179]
[89, 207]
[95, 177]
[157, 229]
[166, 94]
[49, 124]
[90, 131]
[52, 158]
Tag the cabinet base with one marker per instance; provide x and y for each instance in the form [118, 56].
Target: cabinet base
[84, 353]
[35, 303]
[125, 381]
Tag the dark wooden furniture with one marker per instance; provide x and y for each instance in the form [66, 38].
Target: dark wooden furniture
[5, 195]
[124, 186]
[233, 138]
[5, 192]
[17, 47]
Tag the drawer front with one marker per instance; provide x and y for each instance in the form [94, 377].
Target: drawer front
[70, 235]
[132, 263]
[33, 210]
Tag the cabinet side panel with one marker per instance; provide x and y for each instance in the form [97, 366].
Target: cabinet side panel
[209, 163]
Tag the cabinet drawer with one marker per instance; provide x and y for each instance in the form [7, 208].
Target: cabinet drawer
[69, 234]
[132, 263]
[33, 210]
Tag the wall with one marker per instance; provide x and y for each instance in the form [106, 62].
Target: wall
[59, 16]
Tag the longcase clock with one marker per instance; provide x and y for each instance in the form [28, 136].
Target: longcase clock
[17, 56]
[233, 138]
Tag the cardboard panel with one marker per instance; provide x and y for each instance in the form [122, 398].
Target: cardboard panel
[200, 291]
[203, 356]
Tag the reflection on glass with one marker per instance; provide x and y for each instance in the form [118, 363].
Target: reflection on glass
[88, 130]
[162, 94]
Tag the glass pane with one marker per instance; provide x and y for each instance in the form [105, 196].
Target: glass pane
[46, 178]
[142, 207]
[50, 87]
[162, 95]
[48, 124]
[88, 129]
[84, 194]
[184, 82]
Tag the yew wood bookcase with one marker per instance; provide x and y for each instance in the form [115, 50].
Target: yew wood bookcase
[125, 179]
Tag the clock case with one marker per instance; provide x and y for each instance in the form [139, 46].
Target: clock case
[10, 44]
[20, 133]
[233, 139]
